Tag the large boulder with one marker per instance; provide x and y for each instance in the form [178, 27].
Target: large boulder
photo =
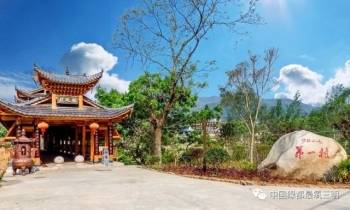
[303, 155]
[58, 160]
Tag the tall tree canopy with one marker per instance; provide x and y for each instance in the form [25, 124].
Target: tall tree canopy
[247, 84]
[165, 34]
[149, 94]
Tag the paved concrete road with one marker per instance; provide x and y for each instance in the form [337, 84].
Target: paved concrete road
[72, 187]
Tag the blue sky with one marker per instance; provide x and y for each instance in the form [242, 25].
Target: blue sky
[312, 37]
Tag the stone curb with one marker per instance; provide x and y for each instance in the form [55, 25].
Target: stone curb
[251, 182]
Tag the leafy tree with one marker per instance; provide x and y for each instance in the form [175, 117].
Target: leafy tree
[247, 84]
[149, 94]
[233, 128]
[277, 112]
[338, 112]
[3, 131]
[135, 145]
[333, 115]
[166, 34]
[112, 98]
[293, 109]
[280, 120]
[203, 117]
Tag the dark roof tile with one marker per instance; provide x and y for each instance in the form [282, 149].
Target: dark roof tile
[47, 111]
[69, 79]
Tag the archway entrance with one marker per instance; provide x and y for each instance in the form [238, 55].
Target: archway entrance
[60, 140]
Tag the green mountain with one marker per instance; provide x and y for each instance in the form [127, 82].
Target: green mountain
[215, 100]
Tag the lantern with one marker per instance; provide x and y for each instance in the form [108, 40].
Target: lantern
[43, 126]
[94, 127]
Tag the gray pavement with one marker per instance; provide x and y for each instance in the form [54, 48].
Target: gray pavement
[129, 187]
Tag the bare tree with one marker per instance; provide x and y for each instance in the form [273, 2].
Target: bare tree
[244, 91]
[165, 34]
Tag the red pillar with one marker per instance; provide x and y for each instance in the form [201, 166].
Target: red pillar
[37, 143]
[96, 143]
[110, 140]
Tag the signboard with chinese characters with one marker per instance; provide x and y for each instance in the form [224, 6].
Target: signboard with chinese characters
[105, 157]
[69, 100]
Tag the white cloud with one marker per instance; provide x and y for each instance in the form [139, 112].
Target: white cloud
[8, 82]
[310, 84]
[90, 58]
[342, 76]
[7, 88]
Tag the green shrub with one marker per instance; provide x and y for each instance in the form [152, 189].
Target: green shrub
[343, 171]
[168, 157]
[186, 157]
[243, 165]
[152, 160]
[216, 156]
[125, 157]
[345, 143]
[339, 173]
[192, 156]
[262, 150]
[239, 152]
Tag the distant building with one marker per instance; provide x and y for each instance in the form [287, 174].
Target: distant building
[213, 127]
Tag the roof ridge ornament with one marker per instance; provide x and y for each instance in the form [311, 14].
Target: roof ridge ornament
[64, 84]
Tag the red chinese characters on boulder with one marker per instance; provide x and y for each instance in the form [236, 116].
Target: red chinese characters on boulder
[299, 151]
[323, 153]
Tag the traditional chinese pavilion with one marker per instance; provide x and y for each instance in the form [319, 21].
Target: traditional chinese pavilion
[61, 119]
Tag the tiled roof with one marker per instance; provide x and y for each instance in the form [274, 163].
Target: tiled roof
[73, 112]
[29, 94]
[32, 101]
[68, 79]
[92, 102]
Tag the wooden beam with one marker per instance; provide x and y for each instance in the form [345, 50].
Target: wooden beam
[83, 142]
[92, 146]
[42, 101]
[81, 101]
[8, 117]
[13, 126]
[54, 101]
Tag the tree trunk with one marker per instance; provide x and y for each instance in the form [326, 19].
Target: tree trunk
[205, 144]
[252, 144]
[157, 147]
